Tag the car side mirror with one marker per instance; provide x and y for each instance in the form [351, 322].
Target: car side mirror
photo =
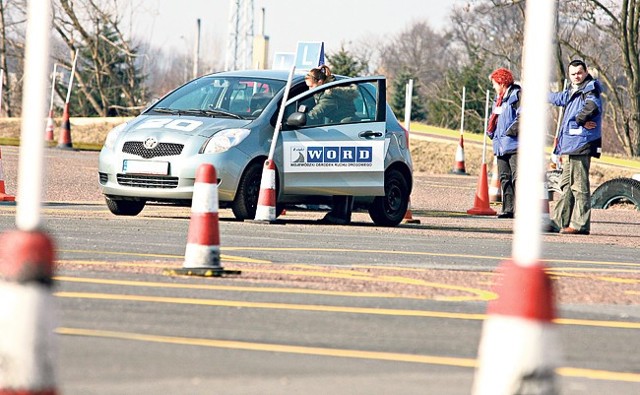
[297, 119]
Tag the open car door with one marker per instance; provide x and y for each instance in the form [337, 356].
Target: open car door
[333, 139]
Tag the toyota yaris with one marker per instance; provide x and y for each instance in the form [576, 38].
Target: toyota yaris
[228, 119]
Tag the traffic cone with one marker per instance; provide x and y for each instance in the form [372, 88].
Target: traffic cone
[459, 167]
[27, 316]
[519, 349]
[202, 254]
[408, 216]
[48, 132]
[495, 190]
[64, 139]
[266, 210]
[3, 195]
[481, 201]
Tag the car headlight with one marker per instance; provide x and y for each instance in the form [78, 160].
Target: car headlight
[223, 140]
[112, 136]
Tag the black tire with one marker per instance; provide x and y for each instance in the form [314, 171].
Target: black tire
[246, 201]
[125, 207]
[389, 210]
[616, 190]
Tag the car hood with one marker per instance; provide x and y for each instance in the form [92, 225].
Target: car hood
[181, 127]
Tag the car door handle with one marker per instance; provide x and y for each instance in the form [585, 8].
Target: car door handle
[369, 133]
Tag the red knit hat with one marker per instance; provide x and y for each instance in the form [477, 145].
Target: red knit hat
[502, 76]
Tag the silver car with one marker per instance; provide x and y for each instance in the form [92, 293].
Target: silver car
[228, 119]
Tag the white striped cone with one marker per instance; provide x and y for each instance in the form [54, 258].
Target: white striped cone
[266, 210]
[495, 188]
[203, 240]
[3, 192]
[27, 311]
[48, 132]
[519, 349]
[459, 166]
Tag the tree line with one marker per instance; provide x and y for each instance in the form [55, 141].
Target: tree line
[119, 75]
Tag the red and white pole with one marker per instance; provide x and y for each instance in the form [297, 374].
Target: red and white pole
[64, 140]
[26, 255]
[266, 209]
[519, 350]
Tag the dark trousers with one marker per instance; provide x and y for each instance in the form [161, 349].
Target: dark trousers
[507, 168]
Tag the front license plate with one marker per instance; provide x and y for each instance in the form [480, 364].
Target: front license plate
[145, 167]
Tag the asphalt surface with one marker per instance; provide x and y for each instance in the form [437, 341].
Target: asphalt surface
[322, 309]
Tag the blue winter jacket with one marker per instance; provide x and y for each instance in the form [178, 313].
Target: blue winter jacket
[580, 106]
[505, 137]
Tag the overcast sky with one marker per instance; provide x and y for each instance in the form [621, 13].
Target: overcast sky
[171, 24]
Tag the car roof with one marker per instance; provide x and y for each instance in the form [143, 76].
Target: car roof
[270, 74]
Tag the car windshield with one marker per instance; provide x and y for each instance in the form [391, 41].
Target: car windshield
[220, 97]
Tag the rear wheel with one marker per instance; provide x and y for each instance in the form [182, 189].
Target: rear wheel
[125, 207]
[389, 210]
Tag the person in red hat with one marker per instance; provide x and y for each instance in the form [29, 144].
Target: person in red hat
[503, 130]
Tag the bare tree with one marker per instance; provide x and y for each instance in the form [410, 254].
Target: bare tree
[107, 75]
[11, 47]
[605, 34]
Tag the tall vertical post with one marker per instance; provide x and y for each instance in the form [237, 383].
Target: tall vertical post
[407, 104]
[196, 51]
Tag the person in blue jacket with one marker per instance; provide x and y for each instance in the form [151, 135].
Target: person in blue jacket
[579, 139]
[503, 130]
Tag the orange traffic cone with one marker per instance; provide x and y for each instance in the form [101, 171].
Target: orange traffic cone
[459, 167]
[519, 349]
[495, 190]
[408, 216]
[48, 132]
[202, 254]
[481, 201]
[27, 314]
[266, 210]
[3, 195]
[64, 140]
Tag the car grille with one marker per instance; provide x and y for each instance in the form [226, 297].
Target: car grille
[103, 178]
[145, 181]
[162, 149]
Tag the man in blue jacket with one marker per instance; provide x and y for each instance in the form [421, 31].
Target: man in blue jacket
[580, 138]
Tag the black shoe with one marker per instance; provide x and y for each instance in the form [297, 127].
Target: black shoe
[550, 229]
[505, 215]
[333, 220]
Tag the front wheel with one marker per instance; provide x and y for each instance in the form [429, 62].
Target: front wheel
[125, 207]
[389, 210]
[246, 201]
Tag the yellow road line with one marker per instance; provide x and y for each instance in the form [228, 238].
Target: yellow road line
[302, 291]
[238, 345]
[378, 252]
[334, 352]
[326, 308]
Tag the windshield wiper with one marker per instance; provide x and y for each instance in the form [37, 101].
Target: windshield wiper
[214, 113]
[166, 110]
[197, 111]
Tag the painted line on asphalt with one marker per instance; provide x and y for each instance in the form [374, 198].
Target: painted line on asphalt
[333, 352]
[275, 290]
[346, 250]
[326, 308]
